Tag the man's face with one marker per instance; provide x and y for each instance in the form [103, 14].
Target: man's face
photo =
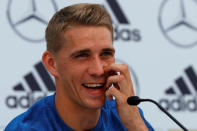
[80, 65]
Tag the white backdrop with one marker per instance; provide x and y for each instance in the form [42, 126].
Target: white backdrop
[156, 38]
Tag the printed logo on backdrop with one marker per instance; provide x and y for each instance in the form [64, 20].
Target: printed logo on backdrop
[122, 26]
[25, 96]
[178, 23]
[133, 77]
[183, 95]
[30, 20]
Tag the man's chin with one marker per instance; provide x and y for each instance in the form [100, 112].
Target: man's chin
[96, 104]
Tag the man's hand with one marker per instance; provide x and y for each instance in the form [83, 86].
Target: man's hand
[121, 90]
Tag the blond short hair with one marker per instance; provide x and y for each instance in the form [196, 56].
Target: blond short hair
[74, 15]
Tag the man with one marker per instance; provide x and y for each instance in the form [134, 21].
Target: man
[80, 56]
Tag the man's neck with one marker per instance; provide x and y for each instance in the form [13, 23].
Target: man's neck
[74, 116]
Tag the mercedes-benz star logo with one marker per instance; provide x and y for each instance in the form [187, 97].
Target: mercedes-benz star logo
[177, 19]
[133, 77]
[29, 18]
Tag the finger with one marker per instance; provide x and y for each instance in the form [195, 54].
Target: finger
[122, 68]
[116, 93]
[125, 85]
[120, 83]
[116, 86]
[114, 79]
[111, 73]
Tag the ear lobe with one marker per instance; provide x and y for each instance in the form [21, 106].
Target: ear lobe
[49, 62]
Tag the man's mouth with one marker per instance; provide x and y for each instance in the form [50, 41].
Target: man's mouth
[93, 86]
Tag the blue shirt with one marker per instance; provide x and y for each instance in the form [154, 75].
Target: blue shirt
[43, 116]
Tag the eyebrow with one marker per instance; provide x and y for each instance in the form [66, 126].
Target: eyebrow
[109, 49]
[88, 51]
[79, 52]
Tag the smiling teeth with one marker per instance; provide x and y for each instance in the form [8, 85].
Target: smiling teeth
[93, 85]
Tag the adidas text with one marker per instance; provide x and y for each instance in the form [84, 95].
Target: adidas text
[126, 34]
[23, 101]
[180, 104]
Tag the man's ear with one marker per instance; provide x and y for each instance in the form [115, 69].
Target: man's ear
[49, 62]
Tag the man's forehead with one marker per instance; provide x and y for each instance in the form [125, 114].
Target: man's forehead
[94, 49]
[89, 50]
[80, 32]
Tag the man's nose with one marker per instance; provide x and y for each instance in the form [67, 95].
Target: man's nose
[96, 67]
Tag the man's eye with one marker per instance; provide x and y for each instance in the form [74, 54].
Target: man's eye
[107, 54]
[81, 55]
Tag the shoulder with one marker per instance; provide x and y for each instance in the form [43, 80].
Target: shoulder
[34, 116]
